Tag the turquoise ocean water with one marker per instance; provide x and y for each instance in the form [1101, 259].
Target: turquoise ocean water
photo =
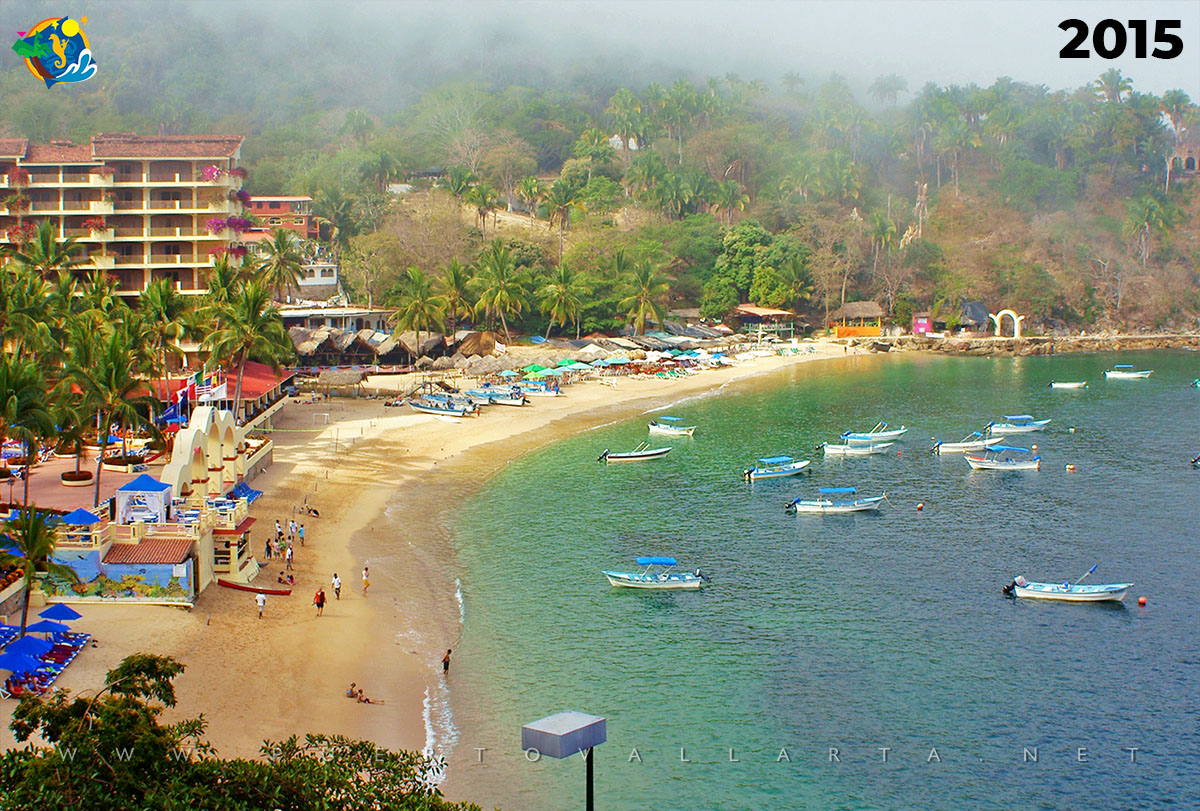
[883, 637]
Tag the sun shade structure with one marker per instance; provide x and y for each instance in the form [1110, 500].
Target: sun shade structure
[60, 612]
[47, 627]
[19, 663]
[81, 517]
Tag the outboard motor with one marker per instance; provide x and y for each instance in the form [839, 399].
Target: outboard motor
[1010, 590]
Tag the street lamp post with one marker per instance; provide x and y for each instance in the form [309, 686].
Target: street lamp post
[565, 734]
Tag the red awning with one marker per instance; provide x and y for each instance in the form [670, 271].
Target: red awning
[238, 530]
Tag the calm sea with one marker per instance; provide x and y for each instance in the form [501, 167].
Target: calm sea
[860, 662]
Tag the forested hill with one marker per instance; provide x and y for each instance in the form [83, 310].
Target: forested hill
[788, 190]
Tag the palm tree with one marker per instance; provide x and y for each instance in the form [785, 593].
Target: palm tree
[98, 300]
[529, 189]
[1111, 85]
[791, 82]
[502, 290]
[561, 200]
[46, 254]
[459, 180]
[1144, 218]
[34, 537]
[455, 288]
[359, 126]
[248, 327]
[561, 298]
[419, 305]
[887, 88]
[484, 199]
[333, 210]
[23, 303]
[111, 382]
[282, 261]
[625, 111]
[169, 314]
[729, 198]
[793, 273]
[224, 282]
[593, 144]
[883, 235]
[644, 289]
[1178, 108]
[382, 169]
[23, 412]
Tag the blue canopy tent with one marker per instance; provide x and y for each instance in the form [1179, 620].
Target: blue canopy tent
[28, 646]
[60, 612]
[18, 663]
[143, 499]
[81, 517]
[656, 561]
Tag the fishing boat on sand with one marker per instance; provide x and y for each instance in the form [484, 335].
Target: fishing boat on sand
[879, 433]
[671, 427]
[1016, 424]
[657, 575]
[1068, 384]
[829, 505]
[973, 441]
[499, 396]
[775, 467]
[1125, 371]
[867, 449]
[1068, 592]
[230, 584]
[436, 407]
[1000, 457]
[642, 451]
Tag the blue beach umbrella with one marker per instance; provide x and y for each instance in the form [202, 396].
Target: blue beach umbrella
[508, 373]
[18, 663]
[60, 612]
[48, 627]
[28, 646]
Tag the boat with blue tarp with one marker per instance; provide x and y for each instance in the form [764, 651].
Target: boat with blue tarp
[879, 433]
[835, 505]
[1125, 371]
[671, 427]
[1016, 424]
[775, 467]
[657, 574]
[1004, 457]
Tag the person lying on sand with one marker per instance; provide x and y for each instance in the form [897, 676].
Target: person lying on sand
[362, 699]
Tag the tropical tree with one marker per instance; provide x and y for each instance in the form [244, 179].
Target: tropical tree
[1144, 217]
[281, 265]
[23, 412]
[562, 296]
[359, 126]
[23, 310]
[168, 312]
[420, 307]
[1111, 85]
[334, 214]
[887, 88]
[47, 254]
[625, 111]
[1179, 110]
[501, 287]
[248, 328]
[224, 281]
[484, 199]
[459, 179]
[382, 169]
[32, 533]
[883, 235]
[730, 197]
[529, 189]
[561, 199]
[593, 146]
[644, 290]
[454, 286]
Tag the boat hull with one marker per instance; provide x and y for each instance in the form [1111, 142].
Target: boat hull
[966, 447]
[879, 436]
[1098, 593]
[835, 507]
[421, 408]
[980, 463]
[636, 456]
[857, 450]
[229, 584]
[673, 582]
[669, 430]
[1141, 375]
[1068, 385]
[754, 474]
[1000, 429]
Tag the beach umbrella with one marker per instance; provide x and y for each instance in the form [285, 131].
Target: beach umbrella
[61, 612]
[48, 627]
[618, 360]
[533, 367]
[564, 362]
[508, 373]
[28, 646]
[19, 663]
[579, 367]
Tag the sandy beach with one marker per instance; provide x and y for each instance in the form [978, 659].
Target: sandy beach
[286, 674]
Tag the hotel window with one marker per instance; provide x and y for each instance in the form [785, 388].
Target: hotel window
[273, 204]
[273, 221]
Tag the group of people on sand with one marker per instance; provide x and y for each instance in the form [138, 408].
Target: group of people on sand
[356, 693]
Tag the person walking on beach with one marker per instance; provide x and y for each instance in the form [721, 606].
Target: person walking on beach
[289, 558]
[261, 600]
[292, 530]
[366, 577]
[337, 586]
[278, 528]
[300, 534]
[319, 601]
[446, 663]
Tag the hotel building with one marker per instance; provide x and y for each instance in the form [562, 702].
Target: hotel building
[145, 207]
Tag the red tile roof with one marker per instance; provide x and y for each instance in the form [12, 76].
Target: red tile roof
[13, 147]
[257, 380]
[150, 550]
[128, 145]
[58, 153]
[238, 530]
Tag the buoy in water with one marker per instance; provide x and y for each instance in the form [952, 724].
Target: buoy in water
[920, 506]
[899, 452]
[1034, 447]
[1141, 600]
[1070, 468]
[1072, 429]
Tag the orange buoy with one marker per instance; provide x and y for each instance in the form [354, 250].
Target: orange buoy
[1141, 600]
[899, 452]
[920, 506]
[1035, 447]
[1070, 468]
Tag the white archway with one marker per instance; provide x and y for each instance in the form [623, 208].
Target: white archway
[998, 318]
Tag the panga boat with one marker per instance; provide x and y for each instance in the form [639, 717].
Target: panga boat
[973, 441]
[1072, 593]
[231, 584]
[1125, 371]
[657, 578]
[1068, 384]
[426, 406]
[671, 427]
[774, 467]
[642, 451]
[867, 449]
[997, 458]
[499, 396]
[1016, 424]
[877, 434]
[828, 505]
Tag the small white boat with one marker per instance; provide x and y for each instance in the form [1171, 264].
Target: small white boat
[999, 457]
[657, 578]
[829, 505]
[868, 449]
[1068, 592]
[1068, 384]
[1016, 424]
[439, 408]
[879, 433]
[499, 396]
[1125, 371]
[531, 388]
[642, 451]
[973, 441]
[670, 427]
[775, 467]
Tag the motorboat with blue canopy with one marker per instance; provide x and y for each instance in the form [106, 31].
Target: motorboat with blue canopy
[775, 467]
[879, 433]
[671, 426]
[1004, 457]
[856, 448]
[1125, 371]
[974, 441]
[499, 395]
[1016, 424]
[657, 574]
[826, 504]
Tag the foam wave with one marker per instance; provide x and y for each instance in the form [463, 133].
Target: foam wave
[458, 595]
[440, 732]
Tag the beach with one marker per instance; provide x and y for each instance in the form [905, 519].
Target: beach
[286, 674]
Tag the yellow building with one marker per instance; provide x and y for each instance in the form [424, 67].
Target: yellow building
[145, 207]
[857, 318]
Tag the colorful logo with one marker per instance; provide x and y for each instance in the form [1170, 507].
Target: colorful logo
[56, 50]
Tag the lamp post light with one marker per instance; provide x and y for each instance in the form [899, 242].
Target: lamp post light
[565, 734]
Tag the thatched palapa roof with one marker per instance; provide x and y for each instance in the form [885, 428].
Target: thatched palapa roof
[858, 309]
